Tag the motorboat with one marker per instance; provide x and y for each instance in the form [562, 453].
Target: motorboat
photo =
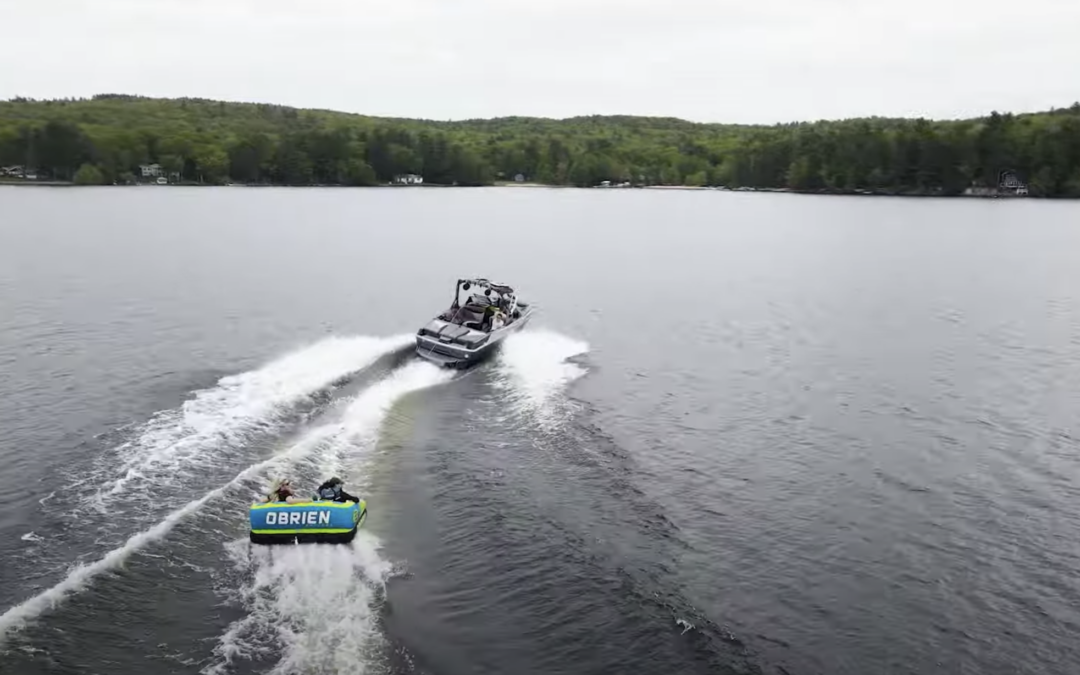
[482, 315]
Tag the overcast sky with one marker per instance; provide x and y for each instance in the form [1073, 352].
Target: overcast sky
[704, 60]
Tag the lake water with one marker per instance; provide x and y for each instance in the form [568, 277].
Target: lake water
[744, 434]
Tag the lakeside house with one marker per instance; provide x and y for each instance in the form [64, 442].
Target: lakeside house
[409, 179]
[155, 173]
[1009, 185]
[18, 171]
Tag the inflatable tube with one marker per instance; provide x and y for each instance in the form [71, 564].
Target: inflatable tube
[319, 522]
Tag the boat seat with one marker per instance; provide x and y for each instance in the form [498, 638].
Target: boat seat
[469, 315]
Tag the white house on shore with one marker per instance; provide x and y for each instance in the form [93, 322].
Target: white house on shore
[151, 170]
[409, 179]
[1010, 183]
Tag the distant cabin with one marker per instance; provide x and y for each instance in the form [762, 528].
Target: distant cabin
[409, 179]
[1010, 183]
[150, 170]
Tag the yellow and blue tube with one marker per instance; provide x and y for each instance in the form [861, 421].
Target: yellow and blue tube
[306, 522]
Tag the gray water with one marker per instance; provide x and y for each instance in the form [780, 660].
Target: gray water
[744, 434]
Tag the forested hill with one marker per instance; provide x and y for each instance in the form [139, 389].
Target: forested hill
[106, 138]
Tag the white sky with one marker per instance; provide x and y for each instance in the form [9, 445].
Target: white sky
[717, 61]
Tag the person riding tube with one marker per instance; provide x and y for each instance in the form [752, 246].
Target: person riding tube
[282, 491]
[332, 491]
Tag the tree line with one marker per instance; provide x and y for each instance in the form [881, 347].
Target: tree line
[106, 138]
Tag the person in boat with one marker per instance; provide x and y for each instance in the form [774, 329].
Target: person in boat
[494, 318]
[332, 491]
[282, 491]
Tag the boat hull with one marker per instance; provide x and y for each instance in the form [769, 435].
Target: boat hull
[450, 354]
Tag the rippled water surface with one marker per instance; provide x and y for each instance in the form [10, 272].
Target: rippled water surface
[744, 433]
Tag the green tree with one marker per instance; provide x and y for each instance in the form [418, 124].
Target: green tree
[172, 164]
[12, 145]
[359, 173]
[263, 143]
[88, 174]
[697, 178]
[250, 158]
[799, 174]
[212, 163]
[62, 147]
[1043, 183]
[292, 166]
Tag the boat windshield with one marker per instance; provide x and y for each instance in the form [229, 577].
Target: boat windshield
[476, 303]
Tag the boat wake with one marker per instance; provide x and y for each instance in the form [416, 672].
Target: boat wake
[208, 439]
[323, 446]
[177, 444]
[310, 609]
[313, 608]
[533, 370]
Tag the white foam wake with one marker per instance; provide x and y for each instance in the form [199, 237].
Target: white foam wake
[398, 384]
[535, 369]
[17, 616]
[174, 441]
[313, 606]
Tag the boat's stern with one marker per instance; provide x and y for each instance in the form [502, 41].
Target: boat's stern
[449, 345]
[445, 354]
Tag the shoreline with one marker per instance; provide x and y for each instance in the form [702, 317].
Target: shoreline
[820, 193]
